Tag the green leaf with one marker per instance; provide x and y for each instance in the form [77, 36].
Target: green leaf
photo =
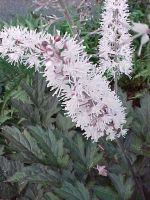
[64, 123]
[123, 187]
[105, 193]
[9, 166]
[141, 123]
[42, 107]
[136, 144]
[20, 95]
[32, 191]
[50, 196]
[7, 169]
[4, 118]
[73, 192]
[84, 153]
[52, 147]
[36, 173]
[24, 144]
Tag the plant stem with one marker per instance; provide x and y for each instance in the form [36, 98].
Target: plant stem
[138, 184]
[69, 19]
[120, 145]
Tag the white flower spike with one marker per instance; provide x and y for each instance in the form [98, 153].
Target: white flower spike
[114, 52]
[86, 94]
[20, 45]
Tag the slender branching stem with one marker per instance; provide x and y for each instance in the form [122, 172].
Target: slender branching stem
[121, 147]
[135, 178]
[69, 19]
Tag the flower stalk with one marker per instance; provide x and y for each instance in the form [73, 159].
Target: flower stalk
[137, 182]
[121, 147]
[69, 19]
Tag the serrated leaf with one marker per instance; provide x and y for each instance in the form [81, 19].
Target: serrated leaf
[20, 94]
[9, 166]
[84, 153]
[123, 187]
[136, 144]
[32, 192]
[73, 192]
[64, 123]
[23, 143]
[36, 173]
[50, 196]
[42, 105]
[7, 169]
[105, 193]
[52, 147]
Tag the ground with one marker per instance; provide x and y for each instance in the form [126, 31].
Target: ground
[9, 8]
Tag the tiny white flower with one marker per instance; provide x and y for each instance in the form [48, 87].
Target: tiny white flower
[142, 31]
[102, 170]
[139, 28]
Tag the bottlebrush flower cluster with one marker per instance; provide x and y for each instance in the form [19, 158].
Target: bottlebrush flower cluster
[87, 97]
[86, 94]
[114, 46]
[18, 45]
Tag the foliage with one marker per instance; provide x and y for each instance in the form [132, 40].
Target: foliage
[49, 151]
[42, 154]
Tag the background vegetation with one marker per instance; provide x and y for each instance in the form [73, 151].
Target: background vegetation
[44, 157]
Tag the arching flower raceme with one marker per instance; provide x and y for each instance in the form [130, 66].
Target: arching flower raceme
[66, 65]
[20, 45]
[114, 52]
[96, 109]
[87, 97]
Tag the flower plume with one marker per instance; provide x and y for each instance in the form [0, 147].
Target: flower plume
[115, 51]
[87, 98]
[18, 45]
